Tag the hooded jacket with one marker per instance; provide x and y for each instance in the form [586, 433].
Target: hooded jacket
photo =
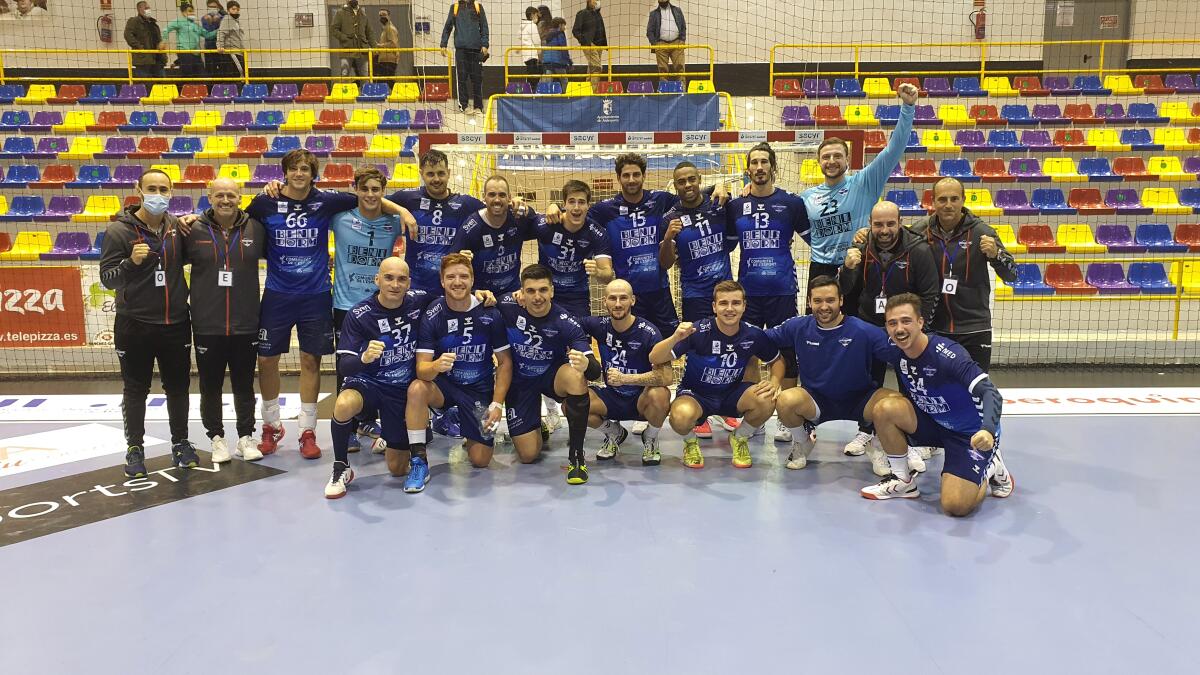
[958, 254]
[138, 297]
[908, 268]
[225, 310]
[469, 23]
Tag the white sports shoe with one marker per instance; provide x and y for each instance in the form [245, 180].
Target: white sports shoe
[915, 461]
[378, 446]
[552, 419]
[247, 449]
[879, 460]
[639, 427]
[782, 433]
[342, 475]
[999, 479]
[220, 451]
[858, 445]
[925, 451]
[892, 487]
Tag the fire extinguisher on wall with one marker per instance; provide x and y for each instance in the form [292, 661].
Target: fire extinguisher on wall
[979, 20]
[104, 27]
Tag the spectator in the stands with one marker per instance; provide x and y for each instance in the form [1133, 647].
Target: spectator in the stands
[389, 39]
[557, 61]
[211, 21]
[531, 39]
[25, 10]
[230, 39]
[666, 27]
[142, 32]
[351, 30]
[589, 30]
[189, 37]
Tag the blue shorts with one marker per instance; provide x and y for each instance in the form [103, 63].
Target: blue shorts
[471, 400]
[311, 316]
[657, 308]
[851, 408]
[575, 305]
[620, 408]
[695, 309]
[388, 403]
[724, 403]
[961, 459]
[523, 405]
[769, 311]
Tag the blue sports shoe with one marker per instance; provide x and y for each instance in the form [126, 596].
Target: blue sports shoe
[353, 445]
[437, 422]
[418, 476]
[453, 425]
[370, 429]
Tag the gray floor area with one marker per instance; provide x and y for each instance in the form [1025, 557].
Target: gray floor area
[1088, 567]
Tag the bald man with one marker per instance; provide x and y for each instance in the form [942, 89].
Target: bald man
[224, 246]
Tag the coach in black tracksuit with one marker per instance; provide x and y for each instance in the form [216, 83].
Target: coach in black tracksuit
[142, 260]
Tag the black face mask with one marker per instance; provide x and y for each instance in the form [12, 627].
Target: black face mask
[383, 20]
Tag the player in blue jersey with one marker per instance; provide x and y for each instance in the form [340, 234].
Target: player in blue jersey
[635, 390]
[456, 342]
[439, 214]
[949, 402]
[377, 353]
[719, 351]
[551, 357]
[576, 249]
[296, 216]
[834, 353]
[492, 238]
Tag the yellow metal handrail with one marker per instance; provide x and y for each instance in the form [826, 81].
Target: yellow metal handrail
[608, 73]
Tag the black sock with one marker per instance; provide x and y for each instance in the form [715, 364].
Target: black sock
[418, 450]
[576, 409]
[341, 439]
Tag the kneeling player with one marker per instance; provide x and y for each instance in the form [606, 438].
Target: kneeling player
[719, 350]
[636, 391]
[455, 343]
[551, 357]
[376, 354]
[950, 403]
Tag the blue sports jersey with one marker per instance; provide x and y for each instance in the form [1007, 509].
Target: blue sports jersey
[633, 235]
[473, 336]
[835, 362]
[539, 344]
[834, 213]
[702, 247]
[298, 238]
[716, 361]
[497, 261]
[939, 383]
[627, 351]
[395, 328]
[564, 251]
[359, 245]
[764, 227]
[438, 220]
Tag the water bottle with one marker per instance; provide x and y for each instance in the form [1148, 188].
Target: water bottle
[481, 414]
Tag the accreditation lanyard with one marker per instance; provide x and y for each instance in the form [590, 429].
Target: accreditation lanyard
[885, 271]
[949, 283]
[224, 274]
[160, 275]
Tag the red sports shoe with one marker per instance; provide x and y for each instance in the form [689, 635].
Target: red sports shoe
[727, 423]
[704, 430]
[308, 445]
[270, 439]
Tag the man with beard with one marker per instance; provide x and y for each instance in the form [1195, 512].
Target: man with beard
[493, 236]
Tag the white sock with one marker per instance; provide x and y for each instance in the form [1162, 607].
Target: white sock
[651, 433]
[899, 466]
[270, 411]
[746, 430]
[308, 416]
[610, 428]
[798, 433]
[416, 437]
[551, 406]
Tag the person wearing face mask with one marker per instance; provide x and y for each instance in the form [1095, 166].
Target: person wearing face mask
[143, 33]
[389, 39]
[142, 260]
[25, 10]
[351, 30]
[224, 246]
[667, 27]
[189, 36]
[230, 39]
[211, 21]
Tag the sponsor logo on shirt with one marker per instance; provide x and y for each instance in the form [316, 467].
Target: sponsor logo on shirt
[945, 351]
[846, 341]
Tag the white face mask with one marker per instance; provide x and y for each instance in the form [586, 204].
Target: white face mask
[155, 203]
[149, 13]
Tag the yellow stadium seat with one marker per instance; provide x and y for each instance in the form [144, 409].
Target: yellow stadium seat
[1190, 279]
[405, 92]
[100, 208]
[955, 115]
[83, 147]
[1003, 290]
[363, 119]
[298, 120]
[1105, 139]
[1121, 85]
[861, 116]
[938, 141]
[28, 246]
[1164, 201]
[37, 94]
[1062, 170]
[161, 94]
[343, 92]
[579, 89]
[238, 173]
[172, 171]
[1009, 238]
[1178, 112]
[998, 86]
[810, 172]
[878, 87]
[205, 121]
[75, 122]
[217, 147]
[1168, 168]
[246, 199]
[701, 87]
[405, 176]
[3, 205]
[385, 145]
[1078, 239]
[1173, 139]
[980, 203]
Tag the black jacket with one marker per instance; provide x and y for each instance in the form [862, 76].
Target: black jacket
[225, 310]
[138, 297]
[910, 268]
[967, 311]
[589, 28]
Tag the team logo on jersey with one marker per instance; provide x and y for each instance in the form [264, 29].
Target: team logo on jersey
[624, 210]
[384, 325]
[686, 220]
[247, 243]
[843, 192]
[716, 346]
[314, 207]
[846, 341]
[487, 240]
[812, 344]
[929, 371]
[281, 207]
[521, 323]
[360, 310]
[964, 244]
[557, 238]
[778, 208]
[424, 204]
[747, 208]
[452, 325]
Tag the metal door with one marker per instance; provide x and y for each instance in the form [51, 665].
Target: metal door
[1086, 20]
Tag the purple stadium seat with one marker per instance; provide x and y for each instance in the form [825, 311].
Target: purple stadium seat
[49, 147]
[1027, 169]
[971, 139]
[69, 246]
[1014, 203]
[1110, 112]
[180, 205]
[320, 146]
[42, 122]
[1182, 83]
[117, 147]
[797, 116]
[265, 173]
[640, 87]
[1110, 279]
[938, 86]
[222, 93]
[1049, 113]
[130, 94]
[433, 119]
[1037, 139]
[1151, 278]
[283, 92]
[173, 121]
[61, 208]
[1059, 85]
[521, 87]
[236, 120]
[125, 176]
[1126, 201]
[1051, 201]
[817, 88]
[925, 116]
[1118, 239]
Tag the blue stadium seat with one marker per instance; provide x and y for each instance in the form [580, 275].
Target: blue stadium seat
[267, 120]
[1157, 238]
[184, 147]
[99, 94]
[549, 88]
[958, 168]
[11, 121]
[907, 200]
[90, 177]
[1004, 140]
[252, 93]
[1017, 114]
[24, 207]
[94, 252]
[968, 86]
[1091, 85]
[11, 92]
[410, 146]
[848, 87]
[1051, 201]
[281, 145]
[20, 176]
[1029, 281]
[1097, 169]
[914, 143]
[396, 119]
[373, 92]
[664, 87]
[1139, 139]
[140, 120]
[1151, 278]
[16, 147]
[888, 115]
[1190, 197]
[1146, 113]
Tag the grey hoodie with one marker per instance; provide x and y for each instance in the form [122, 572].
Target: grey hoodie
[138, 296]
[225, 310]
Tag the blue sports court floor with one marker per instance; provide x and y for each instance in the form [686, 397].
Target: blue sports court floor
[1088, 567]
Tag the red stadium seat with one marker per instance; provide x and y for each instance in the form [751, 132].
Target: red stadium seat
[1071, 138]
[337, 175]
[150, 147]
[191, 93]
[1131, 168]
[54, 176]
[109, 120]
[787, 88]
[68, 94]
[987, 115]
[197, 175]
[908, 80]
[610, 87]
[313, 92]
[1193, 135]
[1151, 84]
[927, 200]
[1081, 113]
[1189, 235]
[1039, 239]
[829, 115]
[1089, 201]
[992, 169]
[330, 120]
[1029, 85]
[1066, 279]
[874, 140]
[250, 147]
[350, 146]
[921, 171]
[435, 91]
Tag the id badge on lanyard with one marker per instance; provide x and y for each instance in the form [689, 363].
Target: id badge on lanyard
[224, 278]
